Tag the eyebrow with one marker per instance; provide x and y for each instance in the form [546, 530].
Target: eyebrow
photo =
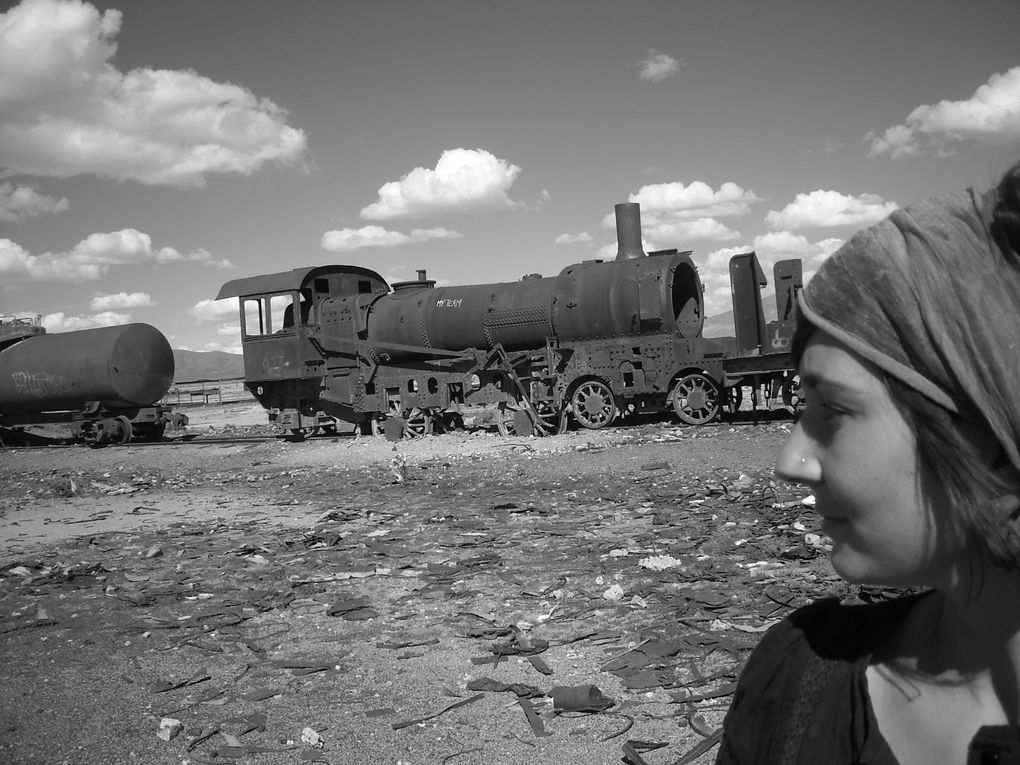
[816, 380]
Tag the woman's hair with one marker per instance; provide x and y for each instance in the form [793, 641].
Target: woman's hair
[968, 445]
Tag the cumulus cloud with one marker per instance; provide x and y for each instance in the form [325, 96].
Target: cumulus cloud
[121, 300]
[991, 116]
[830, 208]
[61, 322]
[215, 310]
[90, 258]
[662, 232]
[582, 238]
[20, 202]
[350, 239]
[68, 111]
[694, 200]
[674, 213]
[657, 66]
[463, 179]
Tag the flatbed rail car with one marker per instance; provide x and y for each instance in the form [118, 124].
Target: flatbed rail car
[103, 383]
[598, 341]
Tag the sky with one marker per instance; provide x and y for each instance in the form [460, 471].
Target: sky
[151, 151]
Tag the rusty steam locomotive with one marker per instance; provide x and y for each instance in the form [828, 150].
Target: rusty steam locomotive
[601, 340]
[104, 383]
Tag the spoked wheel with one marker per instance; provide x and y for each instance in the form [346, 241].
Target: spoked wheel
[554, 420]
[593, 404]
[695, 399]
[417, 423]
[508, 420]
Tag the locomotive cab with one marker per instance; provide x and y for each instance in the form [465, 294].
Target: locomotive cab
[282, 317]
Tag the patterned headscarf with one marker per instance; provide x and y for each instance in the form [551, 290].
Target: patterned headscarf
[930, 298]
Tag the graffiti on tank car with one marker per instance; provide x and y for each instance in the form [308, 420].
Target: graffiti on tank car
[40, 385]
[449, 303]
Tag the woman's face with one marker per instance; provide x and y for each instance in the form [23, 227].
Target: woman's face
[856, 452]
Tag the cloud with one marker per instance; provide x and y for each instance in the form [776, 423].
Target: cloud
[990, 116]
[695, 200]
[657, 66]
[20, 202]
[90, 258]
[464, 179]
[61, 322]
[830, 208]
[664, 232]
[350, 239]
[121, 300]
[581, 238]
[673, 213]
[215, 310]
[68, 111]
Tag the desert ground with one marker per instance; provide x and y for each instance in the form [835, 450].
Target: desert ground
[464, 598]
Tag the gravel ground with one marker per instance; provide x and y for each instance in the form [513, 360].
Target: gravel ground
[352, 600]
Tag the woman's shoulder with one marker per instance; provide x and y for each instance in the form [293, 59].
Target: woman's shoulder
[841, 630]
[802, 664]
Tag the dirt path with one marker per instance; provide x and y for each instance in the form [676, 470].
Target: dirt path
[417, 604]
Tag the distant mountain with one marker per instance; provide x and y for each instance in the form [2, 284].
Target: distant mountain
[192, 366]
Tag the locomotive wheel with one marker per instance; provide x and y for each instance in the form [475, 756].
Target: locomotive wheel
[593, 404]
[505, 421]
[554, 420]
[124, 431]
[417, 423]
[695, 399]
[376, 426]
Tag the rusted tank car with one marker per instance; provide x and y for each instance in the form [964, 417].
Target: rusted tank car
[598, 340]
[105, 382]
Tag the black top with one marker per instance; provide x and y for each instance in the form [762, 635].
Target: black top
[803, 697]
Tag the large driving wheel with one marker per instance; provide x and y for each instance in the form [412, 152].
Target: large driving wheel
[695, 399]
[593, 404]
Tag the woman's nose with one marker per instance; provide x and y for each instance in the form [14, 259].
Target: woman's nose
[797, 461]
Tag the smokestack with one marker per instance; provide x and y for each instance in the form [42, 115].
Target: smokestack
[421, 274]
[628, 231]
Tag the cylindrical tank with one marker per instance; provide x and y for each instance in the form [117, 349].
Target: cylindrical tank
[125, 366]
[643, 295]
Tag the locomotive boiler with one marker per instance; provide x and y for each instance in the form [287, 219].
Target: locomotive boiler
[599, 339]
[105, 382]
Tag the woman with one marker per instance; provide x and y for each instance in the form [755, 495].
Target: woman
[909, 353]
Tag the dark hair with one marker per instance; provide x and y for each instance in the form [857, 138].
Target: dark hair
[981, 488]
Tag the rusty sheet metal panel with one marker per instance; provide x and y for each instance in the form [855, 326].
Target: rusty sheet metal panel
[126, 366]
[746, 281]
